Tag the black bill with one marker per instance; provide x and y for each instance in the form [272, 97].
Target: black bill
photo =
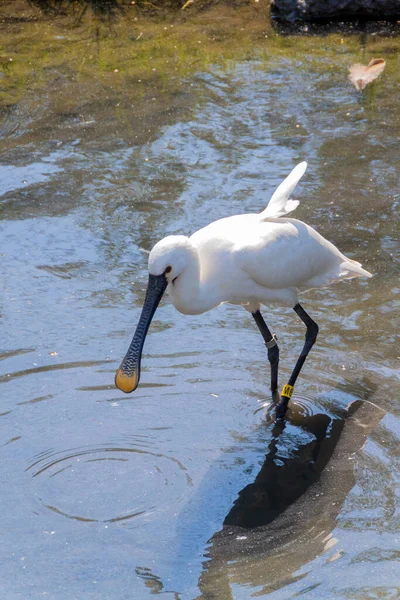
[128, 374]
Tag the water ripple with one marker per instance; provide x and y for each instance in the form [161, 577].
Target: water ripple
[109, 482]
[44, 368]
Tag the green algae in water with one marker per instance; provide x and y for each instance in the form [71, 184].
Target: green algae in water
[135, 58]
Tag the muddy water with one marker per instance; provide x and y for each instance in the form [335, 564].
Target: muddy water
[112, 496]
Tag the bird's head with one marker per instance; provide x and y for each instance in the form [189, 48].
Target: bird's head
[169, 257]
[167, 261]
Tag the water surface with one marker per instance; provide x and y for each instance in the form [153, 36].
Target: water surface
[107, 495]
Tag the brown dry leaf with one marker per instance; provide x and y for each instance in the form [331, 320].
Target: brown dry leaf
[361, 75]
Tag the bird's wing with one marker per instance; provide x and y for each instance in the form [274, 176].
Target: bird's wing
[280, 204]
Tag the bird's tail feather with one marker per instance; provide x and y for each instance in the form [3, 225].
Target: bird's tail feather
[348, 269]
[351, 268]
[280, 204]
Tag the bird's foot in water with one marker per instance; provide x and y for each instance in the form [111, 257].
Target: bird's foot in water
[277, 409]
[281, 409]
[270, 413]
[282, 405]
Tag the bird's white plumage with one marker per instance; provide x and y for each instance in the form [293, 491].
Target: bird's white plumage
[251, 259]
[280, 203]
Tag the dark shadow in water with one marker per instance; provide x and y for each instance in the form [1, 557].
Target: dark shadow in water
[284, 519]
[291, 465]
[387, 27]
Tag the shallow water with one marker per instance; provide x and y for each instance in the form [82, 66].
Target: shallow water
[106, 495]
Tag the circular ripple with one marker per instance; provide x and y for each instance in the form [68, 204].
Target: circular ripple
[300, 405]
[107, 483]
[303, 405]
[347, 365]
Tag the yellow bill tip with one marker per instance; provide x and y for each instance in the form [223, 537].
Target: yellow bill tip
[126, 383]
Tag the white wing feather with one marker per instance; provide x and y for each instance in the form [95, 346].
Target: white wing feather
[280, 204]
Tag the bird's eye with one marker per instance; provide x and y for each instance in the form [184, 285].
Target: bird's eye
[168, 270]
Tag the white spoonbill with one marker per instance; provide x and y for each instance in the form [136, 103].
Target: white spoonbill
[249, 260]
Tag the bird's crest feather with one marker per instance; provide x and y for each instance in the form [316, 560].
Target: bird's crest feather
[280, 203]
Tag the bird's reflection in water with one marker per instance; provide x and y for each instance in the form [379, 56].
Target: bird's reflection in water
[296, 456]
[284, 519]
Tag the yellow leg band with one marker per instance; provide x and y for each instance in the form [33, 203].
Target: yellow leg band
[287, 391]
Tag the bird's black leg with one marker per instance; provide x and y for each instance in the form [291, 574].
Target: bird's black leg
[272, 347]
[311, 336]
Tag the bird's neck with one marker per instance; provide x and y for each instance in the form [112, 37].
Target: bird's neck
[190, 295]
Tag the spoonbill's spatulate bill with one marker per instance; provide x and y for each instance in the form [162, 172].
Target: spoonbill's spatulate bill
[249, 260]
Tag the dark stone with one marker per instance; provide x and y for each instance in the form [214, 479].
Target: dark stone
[324, 10]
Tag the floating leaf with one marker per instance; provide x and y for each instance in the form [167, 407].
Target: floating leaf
[361, 75]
